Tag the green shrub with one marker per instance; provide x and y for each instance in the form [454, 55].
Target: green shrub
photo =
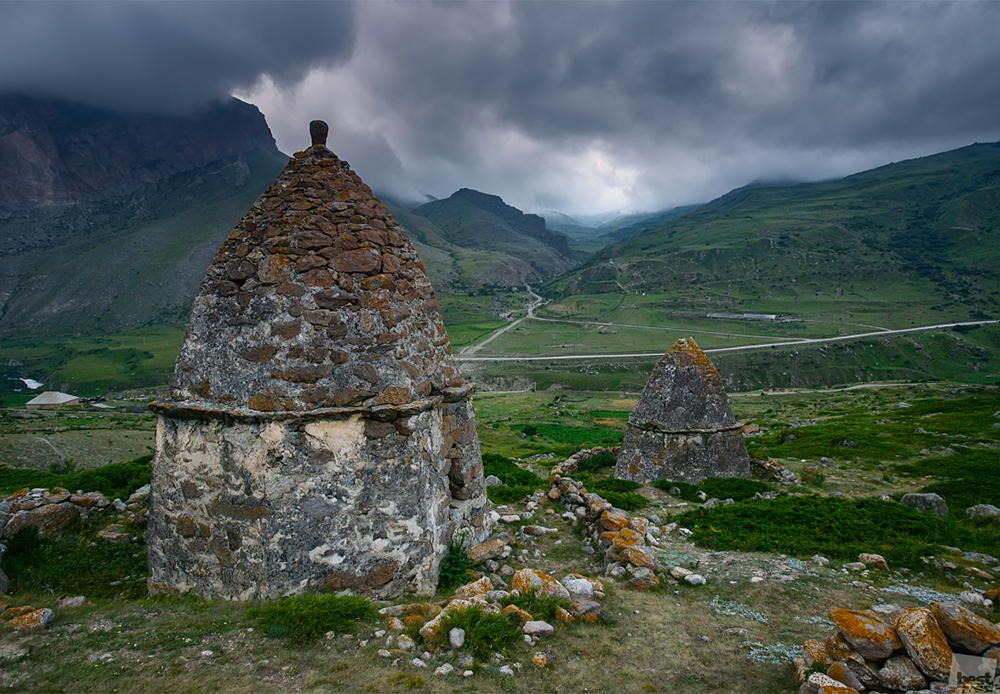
[610, 484]
[969, 478]
[455, 565]
[75, 564]
[735, 488]
[595, 463]
[485, 634]
[305, 618]
[835, 527]
[538, 606]
[115, 481]
[518, 482]
[626, 501]
[529, 430]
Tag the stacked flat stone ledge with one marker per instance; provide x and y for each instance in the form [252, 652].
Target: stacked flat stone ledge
[683, 428]
[317, 434]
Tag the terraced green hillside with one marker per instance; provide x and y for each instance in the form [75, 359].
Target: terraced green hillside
[915, 237]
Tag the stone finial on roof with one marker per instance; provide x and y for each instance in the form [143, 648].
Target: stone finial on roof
[683, 427]
[318, 130]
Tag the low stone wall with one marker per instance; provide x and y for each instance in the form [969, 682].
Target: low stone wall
[573, 462]
[259, 506]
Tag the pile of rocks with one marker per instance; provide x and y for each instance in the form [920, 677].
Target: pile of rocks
[891, 649]
[771, 471]
[488, 594]
[573, 462]
[51, 511]
[628, 541]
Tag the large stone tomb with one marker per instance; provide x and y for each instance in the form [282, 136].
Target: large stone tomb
[683, 427]
[317, 434]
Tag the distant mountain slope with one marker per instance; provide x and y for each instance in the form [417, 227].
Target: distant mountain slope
[922, 232]
[503, 245]
[109, 221]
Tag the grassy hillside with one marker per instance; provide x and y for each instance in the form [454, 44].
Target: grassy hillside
[917, 236]
[492, 243]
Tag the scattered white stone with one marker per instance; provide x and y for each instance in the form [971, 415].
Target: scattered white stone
[456, 638]
[106, 658]
[679, 572]
[684, 532]
[854, 566]
[445, 669]
[405, 642]
[512, 518]
[971, 598]
[505, 670]
[382, 653]
[579, 587]
[380, 633]
[695, 579]
[821, 560]
[417, 662]
[207, 654]
[756, 579]
[119, 505]
[468, 673]
[493, 481]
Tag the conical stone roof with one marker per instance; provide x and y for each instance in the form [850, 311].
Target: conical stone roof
[684, 392]
[683, 427]
[317, 300]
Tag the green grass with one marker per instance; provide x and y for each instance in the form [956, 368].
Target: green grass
[836, 528]
[118, 480]
[517, 482]
[485, 634]
[305, 618]
[968, 479]
[77, 563]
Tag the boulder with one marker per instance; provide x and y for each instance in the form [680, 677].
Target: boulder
[4, 583]
[818, 683]
[490, 549]
[868, 635]
[480, 587]
[586, 610]
[47, 520]
[926, 503]
[33, 621]
[925, 643]
[899, 673]
[543, 584]
[865, 673]
[643, 578]
[982, 511]
[537, 628]
[965, 629]
[456, 638]
[114, 533]
[843, 674]
[522, 616]
[876, 560]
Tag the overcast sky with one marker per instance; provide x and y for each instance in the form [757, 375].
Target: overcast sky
[581, 107]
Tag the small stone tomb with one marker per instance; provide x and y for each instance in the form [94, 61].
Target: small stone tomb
[683, 427]
[317, 433]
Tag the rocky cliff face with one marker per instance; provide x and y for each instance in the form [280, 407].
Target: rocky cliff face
[54, 152]
[109, 221]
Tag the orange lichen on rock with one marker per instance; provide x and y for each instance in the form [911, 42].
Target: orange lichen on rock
[869, 635]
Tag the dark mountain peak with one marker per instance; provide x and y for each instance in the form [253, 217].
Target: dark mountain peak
[529, 224]
[54, 151]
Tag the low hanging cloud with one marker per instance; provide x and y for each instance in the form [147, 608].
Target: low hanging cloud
[161, 56]
[642, 105]
[575, 106]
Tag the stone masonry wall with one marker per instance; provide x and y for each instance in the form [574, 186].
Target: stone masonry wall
[259, 509]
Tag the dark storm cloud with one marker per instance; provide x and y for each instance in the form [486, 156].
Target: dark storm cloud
[164, 56]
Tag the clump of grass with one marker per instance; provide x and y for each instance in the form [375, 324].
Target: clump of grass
[115, 481]
[538, 606]
[485, 634]
[455, 565]
[305, 618]
[517, 482]
[834, 527]
[813, 477]
[407, 680]
[77, 564]
[735, 488]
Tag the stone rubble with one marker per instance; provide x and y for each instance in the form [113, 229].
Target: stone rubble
[896, 650]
